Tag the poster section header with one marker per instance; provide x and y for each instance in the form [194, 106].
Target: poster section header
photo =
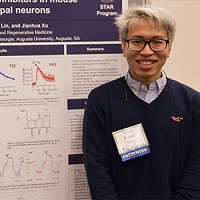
[94, 49]
[74, 104]
[25, 50]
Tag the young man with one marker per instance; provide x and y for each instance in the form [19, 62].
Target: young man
[141, 133]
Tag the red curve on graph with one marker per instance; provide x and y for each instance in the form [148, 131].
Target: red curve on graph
[46, 77]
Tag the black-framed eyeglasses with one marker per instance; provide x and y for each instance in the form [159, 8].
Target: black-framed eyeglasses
[139, 44]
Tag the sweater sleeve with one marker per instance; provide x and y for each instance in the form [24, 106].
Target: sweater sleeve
[95, 152]
[189, 184]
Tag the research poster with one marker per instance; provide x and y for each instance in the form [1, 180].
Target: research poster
[52, 53]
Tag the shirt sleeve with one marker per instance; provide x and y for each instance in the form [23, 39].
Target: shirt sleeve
[95, 152]
[189, 184]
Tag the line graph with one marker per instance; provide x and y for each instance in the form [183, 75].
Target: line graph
[42, 77]
[47, 77]
[30, 164]
[15, 168]
[7, 82]
[53, 167]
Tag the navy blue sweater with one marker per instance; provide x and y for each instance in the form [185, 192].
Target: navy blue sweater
[171, 170]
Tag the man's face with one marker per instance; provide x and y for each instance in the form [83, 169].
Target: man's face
[145, 65]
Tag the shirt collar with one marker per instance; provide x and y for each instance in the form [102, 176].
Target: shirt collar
[157, 85]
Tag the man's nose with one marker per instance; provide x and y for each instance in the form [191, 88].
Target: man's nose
[147, 49]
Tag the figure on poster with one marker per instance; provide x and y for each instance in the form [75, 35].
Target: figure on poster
[141, 132]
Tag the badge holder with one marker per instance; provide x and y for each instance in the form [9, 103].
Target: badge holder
[131, 142]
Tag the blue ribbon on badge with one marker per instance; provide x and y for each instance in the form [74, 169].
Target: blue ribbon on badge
[135, 153]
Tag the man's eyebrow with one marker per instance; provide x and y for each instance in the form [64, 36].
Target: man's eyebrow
[152, 38]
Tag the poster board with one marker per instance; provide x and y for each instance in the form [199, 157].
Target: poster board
[52, 53]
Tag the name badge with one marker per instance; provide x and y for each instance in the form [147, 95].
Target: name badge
[131, 142]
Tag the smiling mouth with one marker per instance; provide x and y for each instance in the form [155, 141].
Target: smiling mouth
[145, 62]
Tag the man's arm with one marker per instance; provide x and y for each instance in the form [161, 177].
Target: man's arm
[189, 184]
[95, 152]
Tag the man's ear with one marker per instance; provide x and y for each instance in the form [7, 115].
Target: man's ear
[123, 49]
[169, 49]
